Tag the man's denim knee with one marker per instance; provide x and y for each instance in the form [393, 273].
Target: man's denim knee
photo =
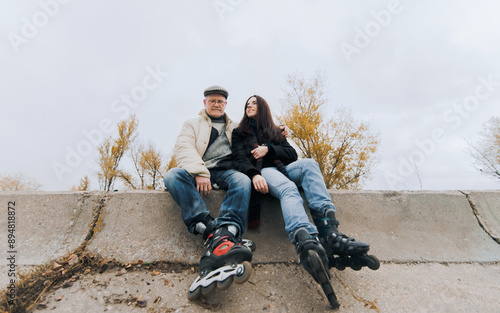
[242, 180]
[174, 175]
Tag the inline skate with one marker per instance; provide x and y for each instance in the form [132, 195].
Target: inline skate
[342, 250]
[226, 259]
[206, 227]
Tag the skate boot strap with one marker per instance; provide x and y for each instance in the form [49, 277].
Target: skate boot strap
[213, 241]
[339, 241]
[325, 221]
[221, 234]
[305, 241]
[325, 225]
[310, 244]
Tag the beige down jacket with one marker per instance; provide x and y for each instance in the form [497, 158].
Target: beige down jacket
[192, 143]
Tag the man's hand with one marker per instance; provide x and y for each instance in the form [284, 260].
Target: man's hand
[260, 184]
[285, 130]
[203, 185]
[260, 152]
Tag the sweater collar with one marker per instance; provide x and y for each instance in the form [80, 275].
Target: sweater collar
[253, 124]
[203, 113]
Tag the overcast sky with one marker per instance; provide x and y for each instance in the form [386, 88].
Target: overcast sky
[425, 74]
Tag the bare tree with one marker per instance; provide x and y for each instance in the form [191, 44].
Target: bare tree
[486, 152]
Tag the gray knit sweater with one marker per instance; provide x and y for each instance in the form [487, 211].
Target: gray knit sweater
[218, 153]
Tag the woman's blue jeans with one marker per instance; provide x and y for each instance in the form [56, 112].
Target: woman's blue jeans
[306, 174]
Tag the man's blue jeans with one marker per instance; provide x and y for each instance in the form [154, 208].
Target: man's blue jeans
[234, 208]
[306, 174]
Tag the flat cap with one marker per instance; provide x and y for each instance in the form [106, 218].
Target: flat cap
[215, 89]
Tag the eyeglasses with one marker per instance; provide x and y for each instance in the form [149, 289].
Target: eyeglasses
[220, 102]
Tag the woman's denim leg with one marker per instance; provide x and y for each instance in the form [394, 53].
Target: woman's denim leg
[182, 187]
[291, 201]
[234, 208]
[306, 174]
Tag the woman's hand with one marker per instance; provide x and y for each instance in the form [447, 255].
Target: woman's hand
[260, 184]
[260, 152]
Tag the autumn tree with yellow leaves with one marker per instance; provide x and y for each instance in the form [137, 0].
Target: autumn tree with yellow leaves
[17, 182]
[150, 159]
[147, 162]
[344, 148]
[111, 152]
[171, 164]
[84, 184]
[146, 159]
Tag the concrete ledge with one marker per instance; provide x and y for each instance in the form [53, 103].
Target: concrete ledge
[148, 226]
[400, 226]
[403, 227]
[47, 225]
[144, 226]
[417, 226]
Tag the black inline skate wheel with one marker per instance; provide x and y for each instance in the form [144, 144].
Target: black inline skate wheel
[192, 296]
[243, 277]
[356, 266]
[322, 275]
[374, 264]
[225, 284]
[206, 291]
[334, 303]
[330, 295]
[340, 265]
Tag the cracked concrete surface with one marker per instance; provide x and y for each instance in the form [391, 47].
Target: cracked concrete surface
[486, 211]
[440, 249]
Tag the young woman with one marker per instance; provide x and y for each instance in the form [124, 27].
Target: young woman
[264, 154]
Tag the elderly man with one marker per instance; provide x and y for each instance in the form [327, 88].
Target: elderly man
[203, 156]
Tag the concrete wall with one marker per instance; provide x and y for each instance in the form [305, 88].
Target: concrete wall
[447, 226]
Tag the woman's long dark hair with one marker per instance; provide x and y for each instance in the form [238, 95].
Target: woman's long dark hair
[266, 128]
